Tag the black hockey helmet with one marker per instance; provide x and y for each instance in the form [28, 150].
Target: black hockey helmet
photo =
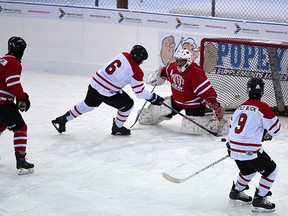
[255, 88]
[16, 47]
[139, 53]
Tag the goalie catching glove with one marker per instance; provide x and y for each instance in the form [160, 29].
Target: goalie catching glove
[156, 100]
[154, 77]
[24, 103]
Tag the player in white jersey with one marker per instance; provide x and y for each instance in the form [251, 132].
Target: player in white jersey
[252, 123]
[107, 86]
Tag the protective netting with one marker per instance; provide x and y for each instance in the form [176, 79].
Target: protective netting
[230, 62]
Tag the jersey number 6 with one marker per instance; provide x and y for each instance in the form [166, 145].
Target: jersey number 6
[110, 69]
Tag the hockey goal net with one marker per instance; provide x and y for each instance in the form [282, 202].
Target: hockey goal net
[230, 62]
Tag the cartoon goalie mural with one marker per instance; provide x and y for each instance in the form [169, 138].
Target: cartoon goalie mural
[184, 92]
[168, 46]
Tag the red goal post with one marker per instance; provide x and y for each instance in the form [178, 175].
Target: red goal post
[230, 62]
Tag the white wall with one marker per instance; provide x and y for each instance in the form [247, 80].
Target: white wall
[86, 38]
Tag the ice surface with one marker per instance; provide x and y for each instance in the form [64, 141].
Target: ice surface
[87, 171]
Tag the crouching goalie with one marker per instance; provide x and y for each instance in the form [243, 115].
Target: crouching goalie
[191, 91]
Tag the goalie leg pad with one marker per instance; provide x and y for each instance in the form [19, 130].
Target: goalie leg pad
[155, 114]
[208, 122]
[223, 127]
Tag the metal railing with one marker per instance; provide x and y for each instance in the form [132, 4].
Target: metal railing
[256, 10]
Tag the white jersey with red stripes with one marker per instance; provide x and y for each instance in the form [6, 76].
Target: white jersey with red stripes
[247, 127]
[119, 72]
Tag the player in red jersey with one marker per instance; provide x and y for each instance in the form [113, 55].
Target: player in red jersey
[191, 91]
[11, 89]
[252, 123]
[107, 86]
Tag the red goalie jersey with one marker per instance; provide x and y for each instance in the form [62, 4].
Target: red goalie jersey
[191, 87]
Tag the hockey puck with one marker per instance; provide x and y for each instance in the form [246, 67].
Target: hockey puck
[223, 140]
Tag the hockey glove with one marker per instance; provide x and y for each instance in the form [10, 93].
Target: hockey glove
[266, 136]
[216, 107]
[219, 112]
[156, 100]
[154, 78]
[24, 103]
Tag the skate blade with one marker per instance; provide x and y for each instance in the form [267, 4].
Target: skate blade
[25, 171]
[56, 127]
[262, 210]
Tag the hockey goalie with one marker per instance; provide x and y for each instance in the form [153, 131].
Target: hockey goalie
[191, 91]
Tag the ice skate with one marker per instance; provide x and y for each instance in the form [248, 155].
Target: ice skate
[120, 131]
[239, 195]
[262, 204]
[60, 122]
[22, 165]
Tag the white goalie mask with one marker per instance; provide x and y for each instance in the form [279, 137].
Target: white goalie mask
[183, 59]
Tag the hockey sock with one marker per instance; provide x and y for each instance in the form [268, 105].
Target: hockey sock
[20, 139]
[265, 183]
[122, 117]
[78, 110]
[243, 181]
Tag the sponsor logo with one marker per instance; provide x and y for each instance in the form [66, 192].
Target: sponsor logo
[215, 27]
[185, 25]
[245, 30]
[276, 32]
[238, 28]
[128, 19]
[179, 23]
[157, 21]
[248, 73]
[99, 16]
[38, 12]
[62, 13]
[121, 17]
[69, 15]
[239, 58]
[10, 10]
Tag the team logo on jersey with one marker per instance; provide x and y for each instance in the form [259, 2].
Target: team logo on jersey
[3, 62]
[177, 82]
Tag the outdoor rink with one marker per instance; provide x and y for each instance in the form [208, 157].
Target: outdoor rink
[88, 172]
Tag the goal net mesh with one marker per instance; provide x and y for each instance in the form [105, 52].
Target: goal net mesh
[230, 62]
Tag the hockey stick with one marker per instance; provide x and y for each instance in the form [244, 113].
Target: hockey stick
[138, 115]
[178, 180]
[191, 120]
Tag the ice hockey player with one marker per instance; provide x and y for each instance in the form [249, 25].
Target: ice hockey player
[107, 86]
[252, 123]
[191, 91]
[11, 89]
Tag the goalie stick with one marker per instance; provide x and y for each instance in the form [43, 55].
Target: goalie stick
[138, 115]
[178, 180]
[191, 120]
